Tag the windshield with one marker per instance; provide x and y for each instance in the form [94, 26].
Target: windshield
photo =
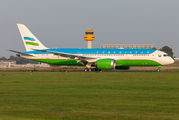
[165, 55]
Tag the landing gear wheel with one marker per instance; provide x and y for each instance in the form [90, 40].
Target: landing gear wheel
[89, 69]
[95, 69]
[86, 69]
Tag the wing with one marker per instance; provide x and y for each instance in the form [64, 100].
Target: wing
[72, 56]
[79, 58]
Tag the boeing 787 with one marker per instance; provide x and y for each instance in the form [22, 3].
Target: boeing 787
[94, 58]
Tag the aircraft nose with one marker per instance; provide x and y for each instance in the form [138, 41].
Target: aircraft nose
[167, 61]
[172, 60]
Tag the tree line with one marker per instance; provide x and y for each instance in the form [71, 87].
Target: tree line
[19, 60]
[168, 50]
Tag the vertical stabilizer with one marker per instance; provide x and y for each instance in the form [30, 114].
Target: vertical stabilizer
[29, 40]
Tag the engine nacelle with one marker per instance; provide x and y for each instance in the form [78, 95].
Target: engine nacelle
[123, 67]
[106, 64]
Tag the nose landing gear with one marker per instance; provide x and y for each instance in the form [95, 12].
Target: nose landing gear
[158, 70]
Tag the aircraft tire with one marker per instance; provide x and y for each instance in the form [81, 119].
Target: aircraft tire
[86, 69]
[89, 69]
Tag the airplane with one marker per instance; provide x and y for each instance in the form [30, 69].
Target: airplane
[94, 59]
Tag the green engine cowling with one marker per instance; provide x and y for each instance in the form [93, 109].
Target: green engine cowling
[106, 64]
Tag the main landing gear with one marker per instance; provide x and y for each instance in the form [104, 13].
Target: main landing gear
[87, 69]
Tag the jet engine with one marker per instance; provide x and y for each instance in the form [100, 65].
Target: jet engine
[106, 64]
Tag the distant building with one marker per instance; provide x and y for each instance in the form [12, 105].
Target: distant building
[129, 46]
[7, 63]
[12, 63]
[32, 65]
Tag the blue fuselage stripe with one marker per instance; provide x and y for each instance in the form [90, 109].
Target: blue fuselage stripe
[95, 51]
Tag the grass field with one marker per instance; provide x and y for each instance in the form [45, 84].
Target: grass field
[89, 96]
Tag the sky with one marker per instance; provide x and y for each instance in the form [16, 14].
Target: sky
[62, 23]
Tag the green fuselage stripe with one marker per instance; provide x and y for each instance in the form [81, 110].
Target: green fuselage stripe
[30, 43]
[69, 62]
[72, 62]
[136, 63]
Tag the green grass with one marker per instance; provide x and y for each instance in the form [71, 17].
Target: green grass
[89, 96]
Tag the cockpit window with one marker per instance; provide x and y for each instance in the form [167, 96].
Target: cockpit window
[165, 55]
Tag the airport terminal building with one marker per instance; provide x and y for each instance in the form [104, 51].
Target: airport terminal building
[12, 63]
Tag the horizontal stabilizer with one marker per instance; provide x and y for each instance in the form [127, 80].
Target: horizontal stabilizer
[20, 53]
